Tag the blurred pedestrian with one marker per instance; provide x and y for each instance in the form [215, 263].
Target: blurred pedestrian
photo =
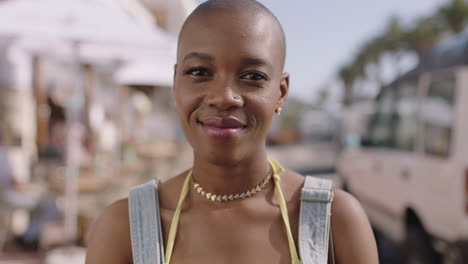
[16, 194]
[235, 205]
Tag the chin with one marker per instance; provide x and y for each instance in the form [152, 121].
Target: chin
[228, 155]
[222, 156]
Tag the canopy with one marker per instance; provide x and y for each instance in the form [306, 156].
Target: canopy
[100, 27]
[151, 73]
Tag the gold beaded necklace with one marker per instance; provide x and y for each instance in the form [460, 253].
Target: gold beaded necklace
[231, 197]
[276, 170]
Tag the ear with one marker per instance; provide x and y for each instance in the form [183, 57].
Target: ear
[284, 88]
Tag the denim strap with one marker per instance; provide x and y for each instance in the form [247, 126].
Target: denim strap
[145, 224]
[314, 220]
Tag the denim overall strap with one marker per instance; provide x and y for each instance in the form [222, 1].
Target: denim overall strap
[145, 224]
[314, 221]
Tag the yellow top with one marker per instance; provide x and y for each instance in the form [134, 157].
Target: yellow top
[277, 170]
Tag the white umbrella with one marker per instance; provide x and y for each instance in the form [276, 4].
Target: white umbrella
[94, 24]
[153, 73]
[95, 21]
[79, 23]
[94, 53]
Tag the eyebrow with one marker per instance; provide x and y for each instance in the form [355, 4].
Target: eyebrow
[256, 61]
[198, 55]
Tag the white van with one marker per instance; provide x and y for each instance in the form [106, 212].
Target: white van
[411, 172]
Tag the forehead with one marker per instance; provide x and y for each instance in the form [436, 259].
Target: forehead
[232, 35]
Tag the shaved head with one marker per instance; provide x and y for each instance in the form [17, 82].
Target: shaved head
[250, 8]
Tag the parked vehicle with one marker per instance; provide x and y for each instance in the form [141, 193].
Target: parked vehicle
[411, 172]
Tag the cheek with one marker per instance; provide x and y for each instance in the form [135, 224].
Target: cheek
[262, 109]
[184, 109]
[186, 102]
[266, 102]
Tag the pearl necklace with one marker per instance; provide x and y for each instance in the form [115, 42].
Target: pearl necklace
[231, 197]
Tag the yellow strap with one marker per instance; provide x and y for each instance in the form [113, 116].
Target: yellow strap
[277, 170]
[175, 219]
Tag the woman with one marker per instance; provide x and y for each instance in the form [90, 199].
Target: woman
[234, 205]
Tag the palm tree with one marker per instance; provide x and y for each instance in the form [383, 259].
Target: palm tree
[454, 15]
[348, 76]
[423, 35]
[393, 35]
[393, 43]
[390, 42]
[374, 52]
[370, 55]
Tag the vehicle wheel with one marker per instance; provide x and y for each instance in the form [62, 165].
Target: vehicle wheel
[453, 255]
[418, 249]
[389, 252]
[344, 185]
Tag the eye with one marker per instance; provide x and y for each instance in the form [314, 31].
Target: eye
[254, 76]
[198, 72]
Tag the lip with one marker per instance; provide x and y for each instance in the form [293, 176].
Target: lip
[222, 127]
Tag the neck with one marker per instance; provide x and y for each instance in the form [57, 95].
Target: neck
[232, 176]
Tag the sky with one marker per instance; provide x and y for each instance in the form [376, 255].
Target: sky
[322, 35]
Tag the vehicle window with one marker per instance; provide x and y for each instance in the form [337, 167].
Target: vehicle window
[405, 118]
[438, 114]
[380, 127]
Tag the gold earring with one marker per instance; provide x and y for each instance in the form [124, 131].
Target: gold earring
[278, 110]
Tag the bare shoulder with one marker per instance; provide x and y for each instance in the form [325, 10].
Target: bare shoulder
[109, 238]
[353, 238]
[292, 181]
[345, 205]
[169, 191]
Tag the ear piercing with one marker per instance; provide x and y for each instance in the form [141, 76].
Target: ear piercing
[278, 110]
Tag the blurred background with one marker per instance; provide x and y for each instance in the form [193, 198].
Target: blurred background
[377, 99]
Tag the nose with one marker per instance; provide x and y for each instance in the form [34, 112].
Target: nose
[223, 96]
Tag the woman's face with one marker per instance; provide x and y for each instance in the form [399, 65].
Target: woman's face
[228, 82]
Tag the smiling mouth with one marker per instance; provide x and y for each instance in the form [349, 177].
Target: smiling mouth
[222, 127]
